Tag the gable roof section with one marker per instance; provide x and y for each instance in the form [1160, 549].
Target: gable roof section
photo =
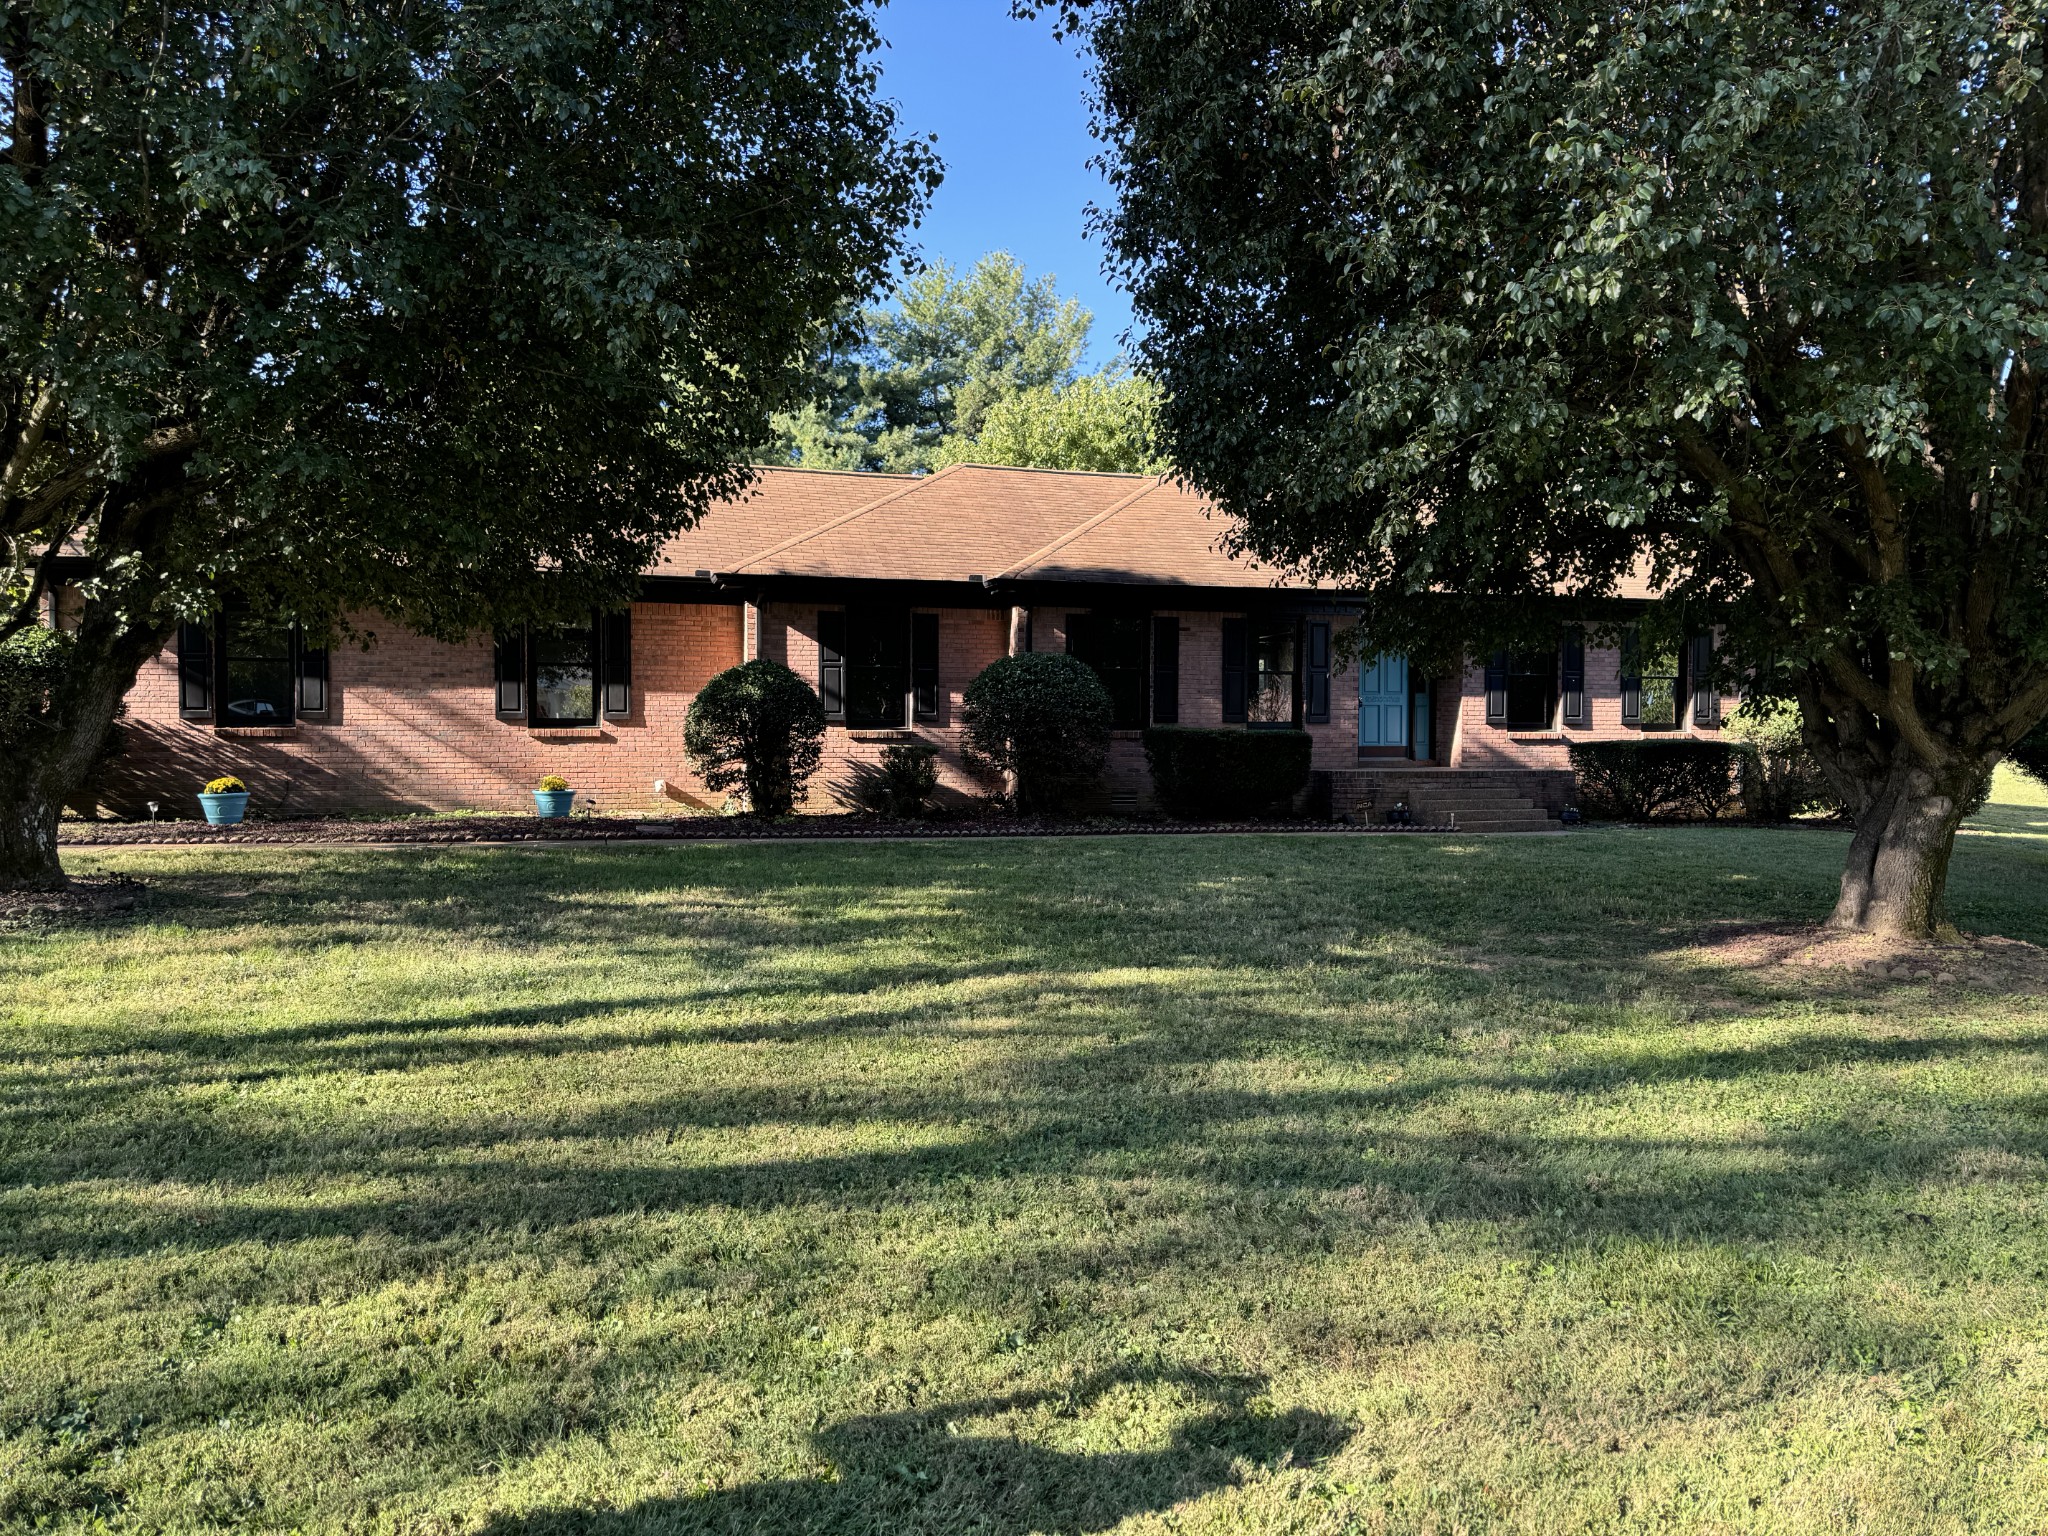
[1161, 535]
[780, 505]
[968, 522]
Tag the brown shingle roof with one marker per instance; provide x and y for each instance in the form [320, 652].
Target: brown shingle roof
[966, 521]
[1161, 535]
[972, 521]
[781, 504]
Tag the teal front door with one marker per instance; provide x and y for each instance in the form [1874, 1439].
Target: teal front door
[1383, 702]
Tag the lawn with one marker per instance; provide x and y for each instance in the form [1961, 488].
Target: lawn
[1206, 1184]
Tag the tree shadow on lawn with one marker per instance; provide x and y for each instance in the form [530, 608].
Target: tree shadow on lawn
[1115, 1058]
[918, 1472]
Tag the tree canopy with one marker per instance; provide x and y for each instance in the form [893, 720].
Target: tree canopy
[450, 312]
[1482, 307]
[982, 366]
[1106, 421]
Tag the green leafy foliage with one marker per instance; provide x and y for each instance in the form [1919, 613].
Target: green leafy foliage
[1106, 422]
[1474, 307]
[1203, 775]
[899, 787]
[451, 313]
[1044, 717]
[32, 663]
[1776, 775]
[1654, 780]
[757, 727]
[916, 382]
[2031, 754]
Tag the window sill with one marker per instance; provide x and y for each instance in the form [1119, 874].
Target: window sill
[568, 733]
[880, 733]
[258, 732]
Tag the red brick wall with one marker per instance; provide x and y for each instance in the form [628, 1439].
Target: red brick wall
[1491, 746]
[411, 726]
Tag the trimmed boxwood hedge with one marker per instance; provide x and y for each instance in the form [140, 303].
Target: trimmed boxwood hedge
[1654, 780]
[1199, 775]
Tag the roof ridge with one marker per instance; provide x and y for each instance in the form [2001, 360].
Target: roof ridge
[820, 469]
[1152, 483]
[1041, 469]
[862, 510]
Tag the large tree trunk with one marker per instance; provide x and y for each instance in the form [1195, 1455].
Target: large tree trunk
[28, 836]
[55, 757]
[1895, 880]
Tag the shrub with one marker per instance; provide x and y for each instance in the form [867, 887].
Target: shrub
[31, 665]
[1044, 717]
[760, 728]
[226, 784]
[2031, 755]
[1199, 775]
[901, 785]
[553, 784]
[1775, 774]
[1654, 780]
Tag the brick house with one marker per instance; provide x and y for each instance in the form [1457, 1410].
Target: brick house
[889, 593]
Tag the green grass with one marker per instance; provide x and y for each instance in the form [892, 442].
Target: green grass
[1208, 1184]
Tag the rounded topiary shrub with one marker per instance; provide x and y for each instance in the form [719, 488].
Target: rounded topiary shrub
[1045, 718]
[2031, 755]
[757, 727]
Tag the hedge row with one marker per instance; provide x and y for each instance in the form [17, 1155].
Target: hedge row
[1200, 774]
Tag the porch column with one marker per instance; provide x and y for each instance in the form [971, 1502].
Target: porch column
[1020, 631]
[750, 632]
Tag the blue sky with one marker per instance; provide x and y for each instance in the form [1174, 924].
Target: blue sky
[1006, 102]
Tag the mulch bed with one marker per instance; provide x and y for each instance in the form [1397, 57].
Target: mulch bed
[1972, 960]
[595, 829]
[81, 900]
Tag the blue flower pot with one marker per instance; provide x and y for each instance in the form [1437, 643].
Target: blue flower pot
[224, 810]
[554, 803]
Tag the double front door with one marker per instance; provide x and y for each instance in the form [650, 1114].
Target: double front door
[1393, 708]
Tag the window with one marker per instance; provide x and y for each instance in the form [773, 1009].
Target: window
[1114, 645]
[563, 675]
[558, 675]
[1271, 657]
[258, 674]
[1260, 671]
[243, 671]
[1650, 683]
[878, 667]
[1521, 690]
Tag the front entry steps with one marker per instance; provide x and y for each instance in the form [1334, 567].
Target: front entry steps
[1474, 800]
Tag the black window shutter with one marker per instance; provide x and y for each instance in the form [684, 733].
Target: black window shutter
[312, 676]
[1233, 670]
[618, 663]
[1166, 671]
[1080, 636]
[511, 672]
[1497, 688]
[1572, 681]
[832, 663]
[195, 671]
[1317, 680]
[1631, 679]
[924, 665]
[1706, 699]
